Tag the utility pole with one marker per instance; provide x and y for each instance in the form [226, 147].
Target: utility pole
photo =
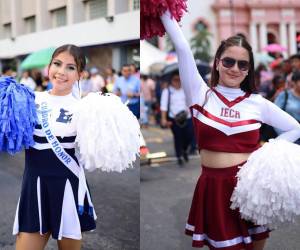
[232, 17]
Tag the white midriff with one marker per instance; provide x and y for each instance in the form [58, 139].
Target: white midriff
[215, 159]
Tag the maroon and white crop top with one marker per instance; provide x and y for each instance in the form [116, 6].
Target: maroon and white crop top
[230, 119]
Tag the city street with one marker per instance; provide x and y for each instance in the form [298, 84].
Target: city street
[166, 194]
[115, 197]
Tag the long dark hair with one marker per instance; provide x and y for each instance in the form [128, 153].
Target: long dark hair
[248, 84]
[75, 51]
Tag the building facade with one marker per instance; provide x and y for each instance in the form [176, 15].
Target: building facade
[107, 30]
[261, 21]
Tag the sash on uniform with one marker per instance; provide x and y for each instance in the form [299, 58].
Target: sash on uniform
[68, 162]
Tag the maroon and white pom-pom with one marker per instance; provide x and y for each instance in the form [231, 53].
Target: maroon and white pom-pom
[151, 10]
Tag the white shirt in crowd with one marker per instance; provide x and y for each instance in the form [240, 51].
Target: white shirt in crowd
[28, 82]
[177, 101]
[97, 83]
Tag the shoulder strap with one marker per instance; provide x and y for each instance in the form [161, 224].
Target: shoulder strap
[169, 100]
[286, 96]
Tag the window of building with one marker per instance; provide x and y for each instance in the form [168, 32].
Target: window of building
[136, 4]
[59, 17]
[130, 54]
[7, 30]
[30, 25]
[96, 9]
[271, 37]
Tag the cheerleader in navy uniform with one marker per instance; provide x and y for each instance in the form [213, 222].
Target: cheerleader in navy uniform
[50, 202]
[227, 117]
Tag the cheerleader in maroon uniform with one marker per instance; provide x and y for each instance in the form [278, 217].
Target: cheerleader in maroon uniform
[227, 117]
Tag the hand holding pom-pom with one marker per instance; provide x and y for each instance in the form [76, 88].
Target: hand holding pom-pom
[107, 135]
[17, 116]
[151, 10]
[268, 188]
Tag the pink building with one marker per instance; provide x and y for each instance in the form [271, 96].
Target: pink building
[261, 21]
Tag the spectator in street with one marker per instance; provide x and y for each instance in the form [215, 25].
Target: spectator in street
[279, 84]
[85, 83]
[7, 71]
[97, 81]
[47, 85]
[289, 100]
[148, 92]
[37, 78]
[27, 80]
[128, 88]
[111, 78]
[134, 70]
[295, 62]
[263, 80]
[144, 120]
[286, 67]
[172, 106]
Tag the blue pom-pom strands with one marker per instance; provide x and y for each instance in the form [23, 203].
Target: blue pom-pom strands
[81, 210]
[17, 116]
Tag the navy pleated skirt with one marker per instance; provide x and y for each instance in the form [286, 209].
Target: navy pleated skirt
[49, 198]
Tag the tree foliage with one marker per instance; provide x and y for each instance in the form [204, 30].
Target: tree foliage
[200, 43]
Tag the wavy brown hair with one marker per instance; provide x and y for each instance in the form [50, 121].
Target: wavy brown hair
[248, 84]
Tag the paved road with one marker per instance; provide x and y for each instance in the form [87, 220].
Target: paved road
[116, 200]
[166, 194]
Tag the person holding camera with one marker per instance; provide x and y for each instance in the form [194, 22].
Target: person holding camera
[175, 114]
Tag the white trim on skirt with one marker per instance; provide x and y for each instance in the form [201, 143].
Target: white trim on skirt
[226, 243]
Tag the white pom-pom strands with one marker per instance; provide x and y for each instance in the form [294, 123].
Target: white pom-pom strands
[107, 133]
[268, 188]
[17, 116]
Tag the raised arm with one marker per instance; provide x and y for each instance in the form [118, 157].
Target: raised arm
[274, 116]
[194, 86]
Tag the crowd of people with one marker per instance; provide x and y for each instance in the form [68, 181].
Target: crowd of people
[125, 84]
[279, 82]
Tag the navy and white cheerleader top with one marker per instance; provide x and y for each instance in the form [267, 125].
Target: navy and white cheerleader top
[61, 109]
[225, 119]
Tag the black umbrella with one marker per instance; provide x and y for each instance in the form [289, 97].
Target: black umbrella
[169, 70]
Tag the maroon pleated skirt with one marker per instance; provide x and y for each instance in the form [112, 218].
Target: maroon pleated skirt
[211, 222]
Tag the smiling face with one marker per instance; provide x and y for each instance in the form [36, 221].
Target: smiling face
[232, 76]
[63, 73]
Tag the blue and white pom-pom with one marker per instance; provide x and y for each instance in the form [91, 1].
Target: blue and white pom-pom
[107, 133]
[17, 116]
[268, 188]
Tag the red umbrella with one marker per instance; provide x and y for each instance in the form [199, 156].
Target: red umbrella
[274, 47]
